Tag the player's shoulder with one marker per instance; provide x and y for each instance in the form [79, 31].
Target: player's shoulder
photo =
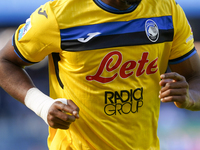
[59, 7]
[160, 3]
[165, 2]
[49, 10]
[161, 7]
[57, 4]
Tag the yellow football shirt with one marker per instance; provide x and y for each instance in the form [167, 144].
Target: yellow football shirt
[109, 63]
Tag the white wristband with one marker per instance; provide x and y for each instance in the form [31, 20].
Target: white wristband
[40, 103]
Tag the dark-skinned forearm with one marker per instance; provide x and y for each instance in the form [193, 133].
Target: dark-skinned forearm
[14, 80]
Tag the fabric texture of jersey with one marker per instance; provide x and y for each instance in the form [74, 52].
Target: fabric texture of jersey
[109, 63]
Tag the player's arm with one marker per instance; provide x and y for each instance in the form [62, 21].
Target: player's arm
[16, 82]
[182, 85]
[13, 78]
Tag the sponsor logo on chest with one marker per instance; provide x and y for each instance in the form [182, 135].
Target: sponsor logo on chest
[123, 102]
[123, 70]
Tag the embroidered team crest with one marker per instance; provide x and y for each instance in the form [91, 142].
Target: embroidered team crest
[152, 30]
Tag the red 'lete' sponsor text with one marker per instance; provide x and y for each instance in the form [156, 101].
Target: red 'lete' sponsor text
[126, 69]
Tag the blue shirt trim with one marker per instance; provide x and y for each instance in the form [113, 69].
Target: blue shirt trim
[114, 10]
[183, 58]
[113, 28]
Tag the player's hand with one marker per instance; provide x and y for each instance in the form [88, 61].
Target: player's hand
[175, 89]
[61, 115]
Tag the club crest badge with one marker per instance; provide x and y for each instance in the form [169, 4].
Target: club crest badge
[151, 30]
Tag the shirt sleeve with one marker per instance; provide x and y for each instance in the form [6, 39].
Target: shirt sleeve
[39, 36]
[183, 42]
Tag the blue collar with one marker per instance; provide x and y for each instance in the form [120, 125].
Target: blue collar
[115, 10]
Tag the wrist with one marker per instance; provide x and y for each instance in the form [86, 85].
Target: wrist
[39, 102]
